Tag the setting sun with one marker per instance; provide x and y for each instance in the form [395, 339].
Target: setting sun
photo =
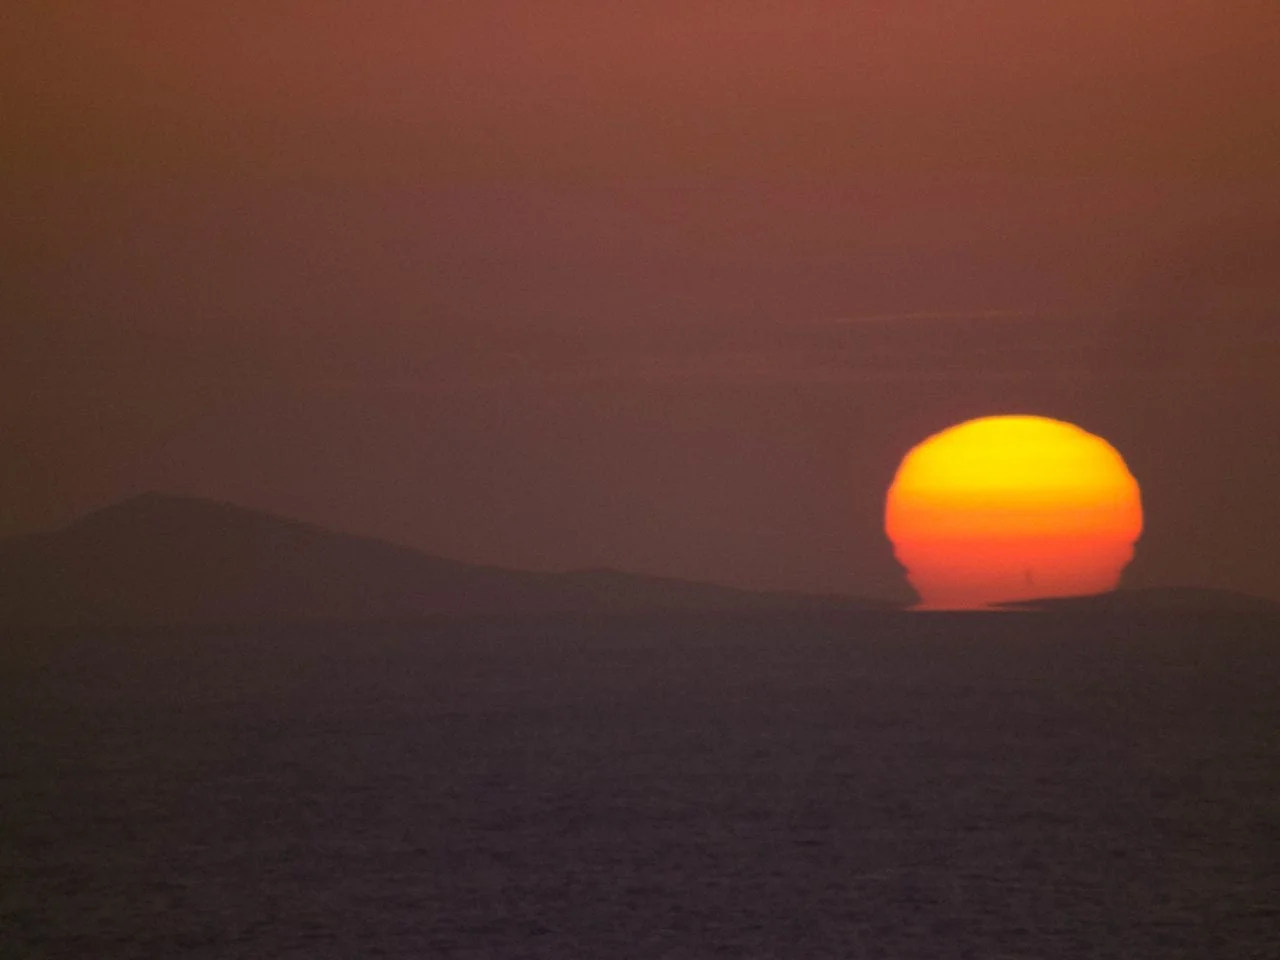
[1011, 508]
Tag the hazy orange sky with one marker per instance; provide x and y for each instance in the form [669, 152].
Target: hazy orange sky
[669, 287]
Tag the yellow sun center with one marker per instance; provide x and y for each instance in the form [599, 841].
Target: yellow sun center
[1009, 508]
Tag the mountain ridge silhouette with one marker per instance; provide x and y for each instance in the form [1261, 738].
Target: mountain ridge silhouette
[1173, 600]
[162, 560]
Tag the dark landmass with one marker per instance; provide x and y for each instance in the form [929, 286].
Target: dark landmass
[158, 560]
[1152, 600]
[164, 561]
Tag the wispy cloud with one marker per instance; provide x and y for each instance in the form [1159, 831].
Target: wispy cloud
[946, 316]
[926, 346]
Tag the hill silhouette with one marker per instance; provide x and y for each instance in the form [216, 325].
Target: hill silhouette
[1174, 600]
[161, 560]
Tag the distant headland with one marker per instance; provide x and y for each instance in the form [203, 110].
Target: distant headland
[158, 560]
[161, 560]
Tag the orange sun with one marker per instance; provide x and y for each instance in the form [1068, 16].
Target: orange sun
[1012, 508]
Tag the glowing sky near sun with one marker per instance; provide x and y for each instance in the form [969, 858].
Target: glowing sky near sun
[666, 287]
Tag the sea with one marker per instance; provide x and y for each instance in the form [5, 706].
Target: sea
[930, 786]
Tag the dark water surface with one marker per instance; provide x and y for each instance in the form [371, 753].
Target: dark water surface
[928, 786]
